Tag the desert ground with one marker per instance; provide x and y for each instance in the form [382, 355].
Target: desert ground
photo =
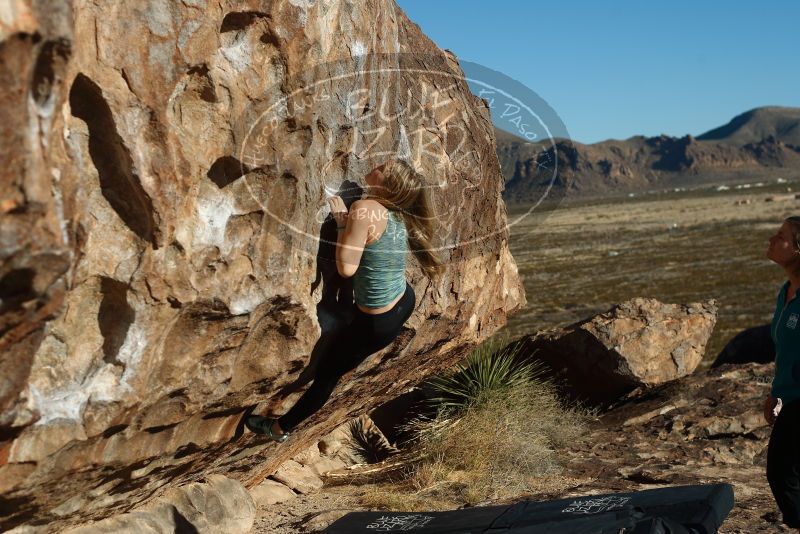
[677, 246]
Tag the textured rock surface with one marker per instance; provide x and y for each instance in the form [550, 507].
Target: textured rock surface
[271, 492]
[704, 428]
[218, 505]
[298, 477]
[221, 504]
[155, 285]
[639, 343]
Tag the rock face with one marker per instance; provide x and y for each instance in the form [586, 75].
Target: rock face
[218, 505]
[637, 344]
[166, 258]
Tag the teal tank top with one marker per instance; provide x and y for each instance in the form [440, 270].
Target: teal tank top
[381, 274]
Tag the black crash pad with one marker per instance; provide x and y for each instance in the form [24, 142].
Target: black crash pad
[695, 509]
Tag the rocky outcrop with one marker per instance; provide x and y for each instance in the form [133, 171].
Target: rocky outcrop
[218, 505]
[780, 122]
[707, 427]
[640, 163]
[639, 343]
[704, 428]
[166, 257]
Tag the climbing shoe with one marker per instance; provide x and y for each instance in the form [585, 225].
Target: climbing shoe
[263, 425]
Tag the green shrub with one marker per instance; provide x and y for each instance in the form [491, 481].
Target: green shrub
[491, 367]
[496, 432]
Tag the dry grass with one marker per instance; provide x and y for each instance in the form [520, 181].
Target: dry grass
[392, 498]
[501, 445]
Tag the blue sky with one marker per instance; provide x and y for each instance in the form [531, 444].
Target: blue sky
[621, 68]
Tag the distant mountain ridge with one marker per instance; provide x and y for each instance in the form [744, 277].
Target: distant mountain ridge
[758, 143]
[782, 123]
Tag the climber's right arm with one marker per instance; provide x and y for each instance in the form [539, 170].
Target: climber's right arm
[351, 241]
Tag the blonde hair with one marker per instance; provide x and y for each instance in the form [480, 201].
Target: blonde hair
[404, 191]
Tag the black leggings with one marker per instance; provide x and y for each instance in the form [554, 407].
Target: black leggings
[783, 462]
[365, 335]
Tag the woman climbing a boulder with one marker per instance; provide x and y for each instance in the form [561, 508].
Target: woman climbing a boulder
[782, 405]
[373, 239]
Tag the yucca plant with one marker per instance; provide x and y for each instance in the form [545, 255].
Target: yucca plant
[497, 427]
[487, 369]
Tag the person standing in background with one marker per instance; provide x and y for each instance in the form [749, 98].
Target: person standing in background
[782, 405]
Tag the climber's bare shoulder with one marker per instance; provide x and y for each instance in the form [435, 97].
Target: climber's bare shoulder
[369, 206]
[370, 214]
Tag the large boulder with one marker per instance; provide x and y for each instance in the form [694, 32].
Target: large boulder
[166, 260]
[639, 343]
